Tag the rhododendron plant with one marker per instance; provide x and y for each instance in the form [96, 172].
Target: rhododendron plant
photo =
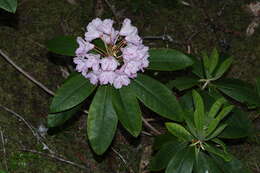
[109, 61]
[123, 57]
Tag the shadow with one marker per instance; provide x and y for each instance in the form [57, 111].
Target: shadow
[9, 19]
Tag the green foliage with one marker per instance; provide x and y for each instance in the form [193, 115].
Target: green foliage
[209, 75]
[168, 60]
[63, 45]
[157, 97]
[102, 120]
[128, 110]
[74, 91]
[203, 148]
[8, 5]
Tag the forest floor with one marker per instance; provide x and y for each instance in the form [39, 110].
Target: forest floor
[198, 25]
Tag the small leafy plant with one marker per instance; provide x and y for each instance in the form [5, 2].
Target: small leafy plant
[208, 74]
[107, 61]
[196, 145]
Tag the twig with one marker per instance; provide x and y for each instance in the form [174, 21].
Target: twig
[150, 126]
[123, 159]
[112, 8]
[3, 144]
[162, 37]
[38, 137]
[25, 73]
[56, 158]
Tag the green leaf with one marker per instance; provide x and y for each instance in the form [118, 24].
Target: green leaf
[182, 161]
[214, 57]
[215, 108]
[239, 125]
[57, 119]
[239, 91]
[206, 64]
[63, 45]
[197, 68]
[74, 90]
[233, 166]
[157, 97]
[223, 68]
[258, 86]
[217, 131]
[179, 131]
[128, 110]
[221, 143]
[226, 156]
[163, 139]
[214, 123]
[199, 114]
[204, 164]
[164, 155]
[8, 5]
[102, 120]
[182, 83]
[168, 60]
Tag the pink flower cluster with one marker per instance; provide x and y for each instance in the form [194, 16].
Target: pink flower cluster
[119, 61]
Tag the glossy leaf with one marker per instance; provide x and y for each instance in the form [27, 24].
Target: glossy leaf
[205, 164]
[102, 120]
[214, 58]
[164, 155]
[233, 166]
[163, 139]
[179, 131]
[74, 90]
[239, 91]
[227, 157]
[128, 110]
[57, 119]
[214, 123]
[63, 45]
[157, 97]
[206, 64]
[8, 5]
[197, 68]
[183, 83]
[199, 114]
[239, 125]
[182, 161]
[223, 68]
[168, 60]
[217, 131]
[215, 108]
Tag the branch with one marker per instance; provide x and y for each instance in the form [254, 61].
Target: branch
[56, 158]
[3, 144]
[38, 137]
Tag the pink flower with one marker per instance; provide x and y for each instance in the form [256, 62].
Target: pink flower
[107, 77]
[132, 67]
[127, 28]
[93, 61]
[106, 26]
[122, 56]
[93, 77]
[84, 47]
[121, 80]
[92, 26]
[80, 64]
[109, 63]
[134, 39]
[130, 52]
